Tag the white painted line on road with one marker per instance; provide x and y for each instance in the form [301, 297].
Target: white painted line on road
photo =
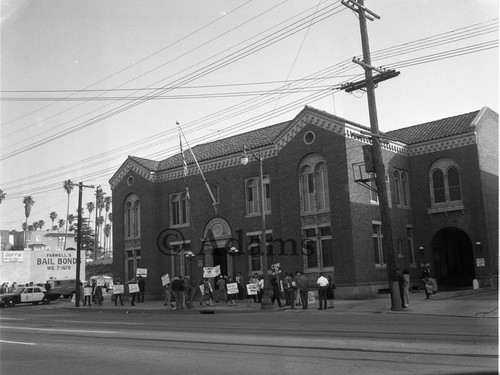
[59, 330]
[97, 322]
[12, 318]
[17, 342]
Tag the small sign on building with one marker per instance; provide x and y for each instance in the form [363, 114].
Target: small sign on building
[480, 262]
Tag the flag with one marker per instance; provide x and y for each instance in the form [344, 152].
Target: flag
[185, 168]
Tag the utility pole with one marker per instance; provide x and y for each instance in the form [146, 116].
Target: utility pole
[79, 242]
[378, 163]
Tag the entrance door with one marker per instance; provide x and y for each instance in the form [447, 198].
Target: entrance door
[453, 258]
[220, 259]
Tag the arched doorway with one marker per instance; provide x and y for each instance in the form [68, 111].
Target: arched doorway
[217, 236]
[453, 258]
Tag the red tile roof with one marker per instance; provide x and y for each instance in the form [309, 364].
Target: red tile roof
[227, 146]
[266, 136]
[428, 131]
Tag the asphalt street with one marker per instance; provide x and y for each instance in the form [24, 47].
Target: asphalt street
[356, 337]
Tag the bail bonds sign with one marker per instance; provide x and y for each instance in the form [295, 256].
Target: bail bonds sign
[39, 265]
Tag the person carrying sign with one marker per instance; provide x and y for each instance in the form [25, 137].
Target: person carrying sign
[232, 291]
[206, 292]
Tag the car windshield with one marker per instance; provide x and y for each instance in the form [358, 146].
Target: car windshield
[18, 290]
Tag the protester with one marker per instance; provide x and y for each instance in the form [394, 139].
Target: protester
[142, 288]
[206, 292]
[330, 292]
[430, 287]
[221, 286]
[426, 271]
[254, 281]
[241, 286]
[289, 290]
[322, 288]
[275, 284]
[168, 295]
[94, 284]
[260, 289]
[98, 295]
[118, 296]
[231, 297]
[133, 295]
[87, 293]
[303, 287]
[298, 299]
[178, 291]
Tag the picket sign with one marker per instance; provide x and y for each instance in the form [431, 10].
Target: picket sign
[252, 289]
[118, 289]
[133, 288]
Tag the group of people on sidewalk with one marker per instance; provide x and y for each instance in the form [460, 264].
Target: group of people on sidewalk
[293, 288]
[93, 293]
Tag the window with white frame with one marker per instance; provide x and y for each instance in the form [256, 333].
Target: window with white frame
[318, 248]
[254, 251]
[313, 185]
[179, 209]
[402, 188]
[132, 217]
[411, 248]
[253, 196]
[445, 182]
[378, 249]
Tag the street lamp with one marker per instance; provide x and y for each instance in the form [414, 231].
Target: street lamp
[266, 303]
[189, 256]
[233, 252]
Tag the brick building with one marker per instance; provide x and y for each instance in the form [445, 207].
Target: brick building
[320, 213]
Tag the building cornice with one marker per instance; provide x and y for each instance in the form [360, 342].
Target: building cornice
[456, 141]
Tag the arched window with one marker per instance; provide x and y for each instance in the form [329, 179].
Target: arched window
[179, 209]
[402, 188]
[132, 216]
[445, 183]
[313, 185]
[253, 195]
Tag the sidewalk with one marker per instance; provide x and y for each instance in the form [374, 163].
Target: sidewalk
[479, 303]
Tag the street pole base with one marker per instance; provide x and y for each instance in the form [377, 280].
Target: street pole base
[266, 305]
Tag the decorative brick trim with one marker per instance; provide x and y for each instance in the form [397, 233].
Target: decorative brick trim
[443, 144]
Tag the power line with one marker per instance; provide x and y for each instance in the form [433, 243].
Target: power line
[416, 61]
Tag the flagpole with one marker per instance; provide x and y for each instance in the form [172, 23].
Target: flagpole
[214, 202]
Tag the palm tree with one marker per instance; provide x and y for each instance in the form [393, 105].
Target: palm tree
[41, 223]
[53, 216]
[61, 223]
[90, 208]
[35, 225]
[68, 187]
[3, 195]
[28, 203]
[107, 232]
[107, 206]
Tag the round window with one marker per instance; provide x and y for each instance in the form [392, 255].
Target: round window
[130, 181]
[309, 137]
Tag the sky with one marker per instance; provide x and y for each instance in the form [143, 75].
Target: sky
[84, 84]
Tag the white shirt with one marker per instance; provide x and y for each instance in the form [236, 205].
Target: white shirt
[322, 281]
